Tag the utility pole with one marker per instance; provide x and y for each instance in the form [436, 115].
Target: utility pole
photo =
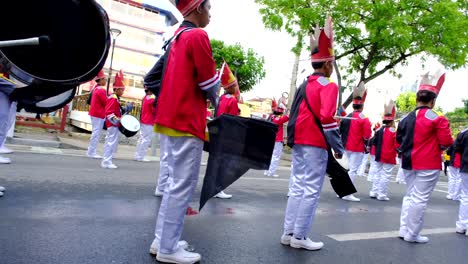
[292, 87]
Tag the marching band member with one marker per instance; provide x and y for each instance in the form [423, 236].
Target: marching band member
[228, 104]
[385, 153]
[454, 180]
[422, 135]
[147, 120]
[279, 118]
[6, 88]
[373, 163]
[355, 134]
[10, 122]
[461, 150]
[113, 115]
[189, 79]
[97, 112]
[311, 126]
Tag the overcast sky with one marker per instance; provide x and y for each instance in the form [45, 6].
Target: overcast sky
[239, 21]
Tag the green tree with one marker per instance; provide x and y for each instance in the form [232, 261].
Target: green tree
[406, 102]
[247, 65]
[458, 119]
[375, 36]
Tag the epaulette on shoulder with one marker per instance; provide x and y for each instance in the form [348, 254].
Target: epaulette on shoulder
[323, 81]
[362, 116]
[431, 115]
[392, 129]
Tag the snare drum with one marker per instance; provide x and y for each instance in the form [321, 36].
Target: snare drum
[129, 125]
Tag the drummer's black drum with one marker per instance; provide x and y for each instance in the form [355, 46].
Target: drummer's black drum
[79, 41]
[129, 125]
[52, 101]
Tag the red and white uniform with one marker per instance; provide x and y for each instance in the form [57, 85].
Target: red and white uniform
[421, 135]
[228, 105]
[278, 149]
[453, 171]
[113, 115]
[147, 120]
[97, 114]
[385, 156]
[190, 78]
[461, 151]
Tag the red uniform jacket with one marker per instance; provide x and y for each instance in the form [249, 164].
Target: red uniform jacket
[385, 145]
[113, 110]
[98, 102]
[148, 111]
[461, 151]
[355, 132]
[190, 70]
[228, 105]
[421, 136]
[279, 120]
[302, 127]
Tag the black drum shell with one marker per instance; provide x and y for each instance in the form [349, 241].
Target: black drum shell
[126, 132]
[78, 48]
[33, 99]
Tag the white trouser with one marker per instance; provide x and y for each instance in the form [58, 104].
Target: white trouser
[97, 124]
[310, 164]
[372, 169]
[184, 160]
[381, 183]
[400, 177]
[112, 140]
[463, 211]
[362, 167]
[419, 187]
[4, 115]
[291, 178]
[454, 181]
[163, 169]
[10, 121]
[355, 160]
[376, 176]
[275, 158]
[146, 133]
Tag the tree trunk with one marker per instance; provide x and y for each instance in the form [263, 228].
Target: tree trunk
[338, 79]
[292, 87]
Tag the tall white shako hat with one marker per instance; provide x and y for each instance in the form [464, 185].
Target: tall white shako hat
[359, 94]
[389, 110]
[322, 39]
[432, 82]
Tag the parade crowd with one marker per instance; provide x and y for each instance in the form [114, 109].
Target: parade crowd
[175, 107]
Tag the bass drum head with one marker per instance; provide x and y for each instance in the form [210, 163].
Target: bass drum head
[79, 40]
[50, 104]
[130, 123]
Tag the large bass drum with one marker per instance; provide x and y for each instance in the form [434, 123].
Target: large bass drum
[129, 125]
[56, 98]
[79, 41]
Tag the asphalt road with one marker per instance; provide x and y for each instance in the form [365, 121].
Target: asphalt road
[66, 209]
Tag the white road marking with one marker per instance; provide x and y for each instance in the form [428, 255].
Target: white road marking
[386, 234]
[46, 150]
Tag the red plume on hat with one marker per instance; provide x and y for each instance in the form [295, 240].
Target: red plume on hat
[119, 80]
[322, 39]
[227, 77]
[389, 110]
[274, 104]
[359, 91]
[432, 82]
[100, 75]
[187, 6]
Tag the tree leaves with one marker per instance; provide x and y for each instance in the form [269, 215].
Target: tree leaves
[375, 36]
[247, 65]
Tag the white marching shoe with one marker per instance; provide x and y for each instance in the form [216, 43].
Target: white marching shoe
[181, 256]
[305, 244]
[372, 194]
[286, 239]
[4, 160]
[158, 193]
[461, 231]
[223, 195]
[94, 156]
[5, 150]
[110, 166]
[155, 247]
[418, 239]
[2, 189]
[383, 198]
[351, 198]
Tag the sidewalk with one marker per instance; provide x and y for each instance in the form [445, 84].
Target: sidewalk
[76, 144]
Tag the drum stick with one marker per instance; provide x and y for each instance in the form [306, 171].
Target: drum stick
[25, 42]
[345, 117]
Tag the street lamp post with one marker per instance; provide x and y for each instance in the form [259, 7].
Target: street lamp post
[114, 33]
